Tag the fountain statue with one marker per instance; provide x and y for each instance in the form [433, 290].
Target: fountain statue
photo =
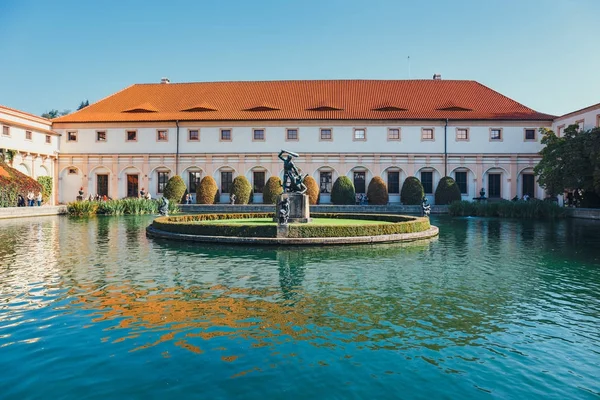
[292, 202]
[163, 207]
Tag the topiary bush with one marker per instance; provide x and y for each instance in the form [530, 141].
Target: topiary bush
[343, 191]
[377, 192]
[207, 190]
[447, 191]
[175, 189]
[312, 189]
[46, 182]
[241, 188]
[412, 192]
[272, 190]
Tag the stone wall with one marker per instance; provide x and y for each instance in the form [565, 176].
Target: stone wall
[585, 213]
[20, 212]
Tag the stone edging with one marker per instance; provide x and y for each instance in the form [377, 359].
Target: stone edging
[433, 231]
[24, 212]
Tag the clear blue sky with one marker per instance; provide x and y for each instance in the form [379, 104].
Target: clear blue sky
[542, 53]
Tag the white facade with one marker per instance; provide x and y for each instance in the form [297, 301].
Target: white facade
[586, 118]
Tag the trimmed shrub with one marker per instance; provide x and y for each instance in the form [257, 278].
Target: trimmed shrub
[272, 190]
[175, 189]
[241, 188]
[343, 191]
[207, 191]
[507, 209]
[312, 189]
[412, 192]
[46, 182]
[447, 191]
[377, 192]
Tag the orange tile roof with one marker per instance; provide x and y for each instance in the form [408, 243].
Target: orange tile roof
[293, 100]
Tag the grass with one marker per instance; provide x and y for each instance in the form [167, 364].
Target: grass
[315, 222]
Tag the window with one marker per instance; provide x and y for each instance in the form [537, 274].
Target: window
[579, 125]
[393, 182]
[560, 130]
[6, 130]
[28, 135]
[258, 181]
[495, 134]
[102, 185]
[494, 185]
[394, 134]
[359, 182]
[360, 134]
[163, 178]
[193, 135]
[132, 185]
[529, 134]
[71, 136]
[100, 136]
[258, 134]
[131, 136]
[528, 185]
[460, 177]
[194, 179]
[326, 134]
[162, 136]
[462, 134]
[291, 134]
[325, 179]
[72, 171]
[48, 139]
[226, 135]
[226, 180]
[427, 134]
[427, 181]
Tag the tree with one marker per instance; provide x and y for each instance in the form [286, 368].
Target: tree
[241, 188]
[412, 191]
[570, 162]
[175, 189]
[377, 192]
[207, 190]
[272, 190]
[312, 189]
[55, 113]
[343, 191]
[447, 191]
[83, 104]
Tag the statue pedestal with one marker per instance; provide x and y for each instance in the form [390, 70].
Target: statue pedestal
[299, 207]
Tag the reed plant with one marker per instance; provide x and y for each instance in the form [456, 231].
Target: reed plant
[129, 206]
[531, 209]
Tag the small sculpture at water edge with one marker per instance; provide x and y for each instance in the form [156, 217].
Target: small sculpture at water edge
[163, 207]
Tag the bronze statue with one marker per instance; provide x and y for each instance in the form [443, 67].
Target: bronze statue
[284, 211]
[426, 207]
[163, 207]
[293, 182]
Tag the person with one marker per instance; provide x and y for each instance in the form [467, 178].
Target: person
[148, 195]
[80, 197]
[39, 199]
[30, 197]
[526, 197]
[188, 198]
[20, 201]
[142, 193]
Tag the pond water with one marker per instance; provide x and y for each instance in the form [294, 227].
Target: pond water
[491, 308]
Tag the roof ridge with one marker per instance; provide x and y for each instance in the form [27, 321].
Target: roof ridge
[303, 80]
[94, 103]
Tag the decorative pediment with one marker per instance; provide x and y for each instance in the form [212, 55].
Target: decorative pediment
[262, 107]
[389, 107]
[141, 108]
[451, 106]
[200, 107]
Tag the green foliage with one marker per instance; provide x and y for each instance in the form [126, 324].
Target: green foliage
[412, 192]
[447, 191]
[46, 182]
[241, 188]
[534, 209]
[272, 190]
[129, 206]
[207, 191]
[13, 183]
[83, 105]
[192, 224]
[377, 192]
[7, 155]
[312, 189]
[55, 113]
[8, 196]
[570, 162]
[175, 189]
[343, 191]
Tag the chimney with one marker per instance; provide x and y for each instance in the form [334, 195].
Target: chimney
[165, 80]
[437, 77]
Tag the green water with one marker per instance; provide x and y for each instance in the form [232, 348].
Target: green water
[490, 309]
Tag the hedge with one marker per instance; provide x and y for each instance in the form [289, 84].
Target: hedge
[447, 191]
[175, 189]
[312, 189]
[377, 192]
[206, 192]
[412, 192]
[507, 209]
[272, 190]
[343, 191]
[46, 182]
[241, 188]
[192, 225]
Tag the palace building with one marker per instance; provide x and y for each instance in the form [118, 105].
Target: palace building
[142, 135]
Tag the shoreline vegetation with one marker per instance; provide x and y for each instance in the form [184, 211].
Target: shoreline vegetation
[130, 206]
[532, 209]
